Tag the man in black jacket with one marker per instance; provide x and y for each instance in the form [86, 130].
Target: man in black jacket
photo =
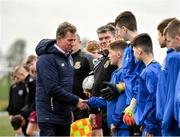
[54, 98]
[103, 69]
[83, 65]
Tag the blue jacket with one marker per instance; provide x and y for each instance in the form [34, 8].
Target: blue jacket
[131, 71]
[115, 107]
[162, 85]
[146, 98]
[173, 70]
[177, 101]
[54, 84]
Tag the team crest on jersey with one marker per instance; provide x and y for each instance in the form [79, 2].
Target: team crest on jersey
[77, 65]
[20, 92]
[106, 64]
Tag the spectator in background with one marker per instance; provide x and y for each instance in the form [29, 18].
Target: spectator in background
[93, 48]
[17, 100]
[32, 129]
[31, 65]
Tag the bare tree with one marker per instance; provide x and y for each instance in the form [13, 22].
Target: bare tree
[16, 53]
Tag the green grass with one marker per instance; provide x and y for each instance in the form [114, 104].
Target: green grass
[4, 93]
[5, 127]
[3, 104]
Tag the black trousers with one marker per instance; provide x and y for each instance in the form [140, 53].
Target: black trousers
[105, 128]
[48, 129]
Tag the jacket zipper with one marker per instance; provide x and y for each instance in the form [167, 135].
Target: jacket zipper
[52, 106]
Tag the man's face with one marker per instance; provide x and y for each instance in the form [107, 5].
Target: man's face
[77, 45]
[113, 56]
[67, 43]
[173, 42]
[105, 39]
[161, 40]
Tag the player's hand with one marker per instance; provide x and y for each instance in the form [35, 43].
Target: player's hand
[146, 134]
[128, 117]
[113, 128]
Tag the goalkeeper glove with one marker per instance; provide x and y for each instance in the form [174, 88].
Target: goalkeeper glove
[112, 90]
[129, 113]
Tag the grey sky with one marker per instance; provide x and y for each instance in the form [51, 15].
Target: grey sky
[33, 20]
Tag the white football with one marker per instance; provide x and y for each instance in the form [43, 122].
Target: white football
[88, 82]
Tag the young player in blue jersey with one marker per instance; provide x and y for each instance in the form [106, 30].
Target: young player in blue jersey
[146, 96]
[171, 114]
[116, 106]
[161, 93]
[126, 28]
[177, 101]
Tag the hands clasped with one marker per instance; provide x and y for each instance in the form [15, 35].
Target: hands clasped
[82, 104]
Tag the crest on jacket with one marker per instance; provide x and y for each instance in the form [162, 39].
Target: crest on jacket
[20, 92]
[77, 65]
[106, 64]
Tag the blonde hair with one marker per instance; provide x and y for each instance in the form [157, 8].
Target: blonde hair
[92, 46]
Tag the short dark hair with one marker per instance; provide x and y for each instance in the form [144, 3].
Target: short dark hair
[16, 122]
[106, 28]
[118, 45]
[163, 24]
[126, 19]
[63, 28]
[173, 28]
[144, 42]
[111, 23]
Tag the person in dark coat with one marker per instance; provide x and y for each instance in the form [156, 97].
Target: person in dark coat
[83, 65]
[102, 72]
[54, 98]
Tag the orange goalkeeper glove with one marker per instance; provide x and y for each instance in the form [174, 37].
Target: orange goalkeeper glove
[129, 113]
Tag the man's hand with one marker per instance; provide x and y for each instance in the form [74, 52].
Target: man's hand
[82, 104]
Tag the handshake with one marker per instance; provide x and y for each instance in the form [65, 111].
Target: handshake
[112, 90]
[82, 104]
